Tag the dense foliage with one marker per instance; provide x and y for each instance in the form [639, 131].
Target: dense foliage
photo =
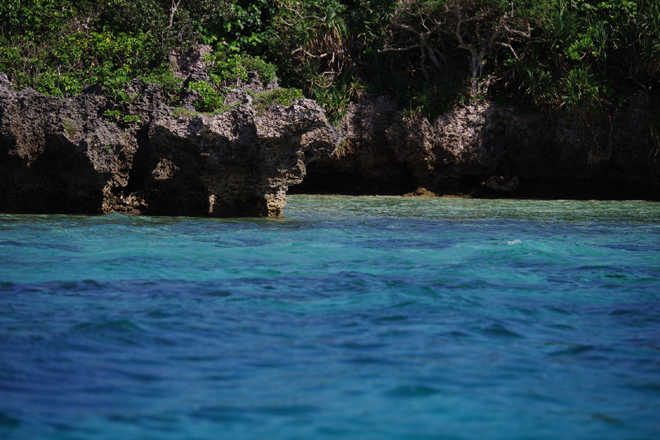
[587, 54]
[578, 56]
[56, 46]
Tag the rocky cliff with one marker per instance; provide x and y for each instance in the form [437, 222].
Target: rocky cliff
[486, 149]
[91, 154]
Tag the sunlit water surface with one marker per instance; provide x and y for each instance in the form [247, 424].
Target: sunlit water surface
[350, 318]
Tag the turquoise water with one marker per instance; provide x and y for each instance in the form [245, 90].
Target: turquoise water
[350, 318]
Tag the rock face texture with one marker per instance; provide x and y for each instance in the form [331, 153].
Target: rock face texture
[484, 149]
[244, 161]
[89, 154]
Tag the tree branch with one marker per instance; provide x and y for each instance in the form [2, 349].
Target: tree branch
[173, 9]
[301, 49]
[398, 49]
[301, 17]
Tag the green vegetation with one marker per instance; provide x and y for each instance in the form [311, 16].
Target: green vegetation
[70, 128]
[131, 119]
[112, 115]
[575, 56]
[211, 97]
[56, 46]
[115, 115]
[591, 54]
[230, 70]
[278, 96]
[180, 111]
[212, 102]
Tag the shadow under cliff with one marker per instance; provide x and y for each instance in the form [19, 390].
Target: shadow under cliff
[60, 180]
[489, 150]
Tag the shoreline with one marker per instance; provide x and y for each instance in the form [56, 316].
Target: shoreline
[61, 155]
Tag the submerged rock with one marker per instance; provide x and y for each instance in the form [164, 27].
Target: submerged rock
[89, 154]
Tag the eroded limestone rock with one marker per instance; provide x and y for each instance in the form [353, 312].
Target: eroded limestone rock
[68, 156]
[486, 149]
[245, 161]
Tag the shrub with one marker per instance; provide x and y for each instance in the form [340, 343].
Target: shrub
[232, 70]
[211, 98]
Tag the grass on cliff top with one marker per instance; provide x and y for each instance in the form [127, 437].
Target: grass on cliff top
[261, 102]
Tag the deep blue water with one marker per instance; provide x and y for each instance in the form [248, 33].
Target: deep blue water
[350, 318]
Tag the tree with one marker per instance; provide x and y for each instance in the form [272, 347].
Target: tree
[480, 27]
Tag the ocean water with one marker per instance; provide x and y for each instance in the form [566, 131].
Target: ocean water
[350, 318]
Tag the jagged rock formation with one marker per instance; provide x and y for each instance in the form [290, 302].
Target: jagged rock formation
[484, 149]
[76, 156]
[92, 154]
[244, 161]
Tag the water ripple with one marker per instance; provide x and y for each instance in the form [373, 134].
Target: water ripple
[350, 318]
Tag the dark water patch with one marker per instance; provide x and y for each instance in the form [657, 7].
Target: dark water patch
[67, 287]
[246, 242]
[160, 314]
[406, 303]
[573, 350]
[6, 286]
[218, 293]
[560, 310]
[268, 363]
[141, 378]
[371, 360]
[222, 414]
[606, 418]
[563, 327]
[111, 326]
[124, 418]
[286, 410]
[59, 247]
[647, 386]
[499, 331]
[8, 424]
[412, 391]
[361, 346]
[637, 315]
[635, 247]
[392, 319]
[459, 334]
